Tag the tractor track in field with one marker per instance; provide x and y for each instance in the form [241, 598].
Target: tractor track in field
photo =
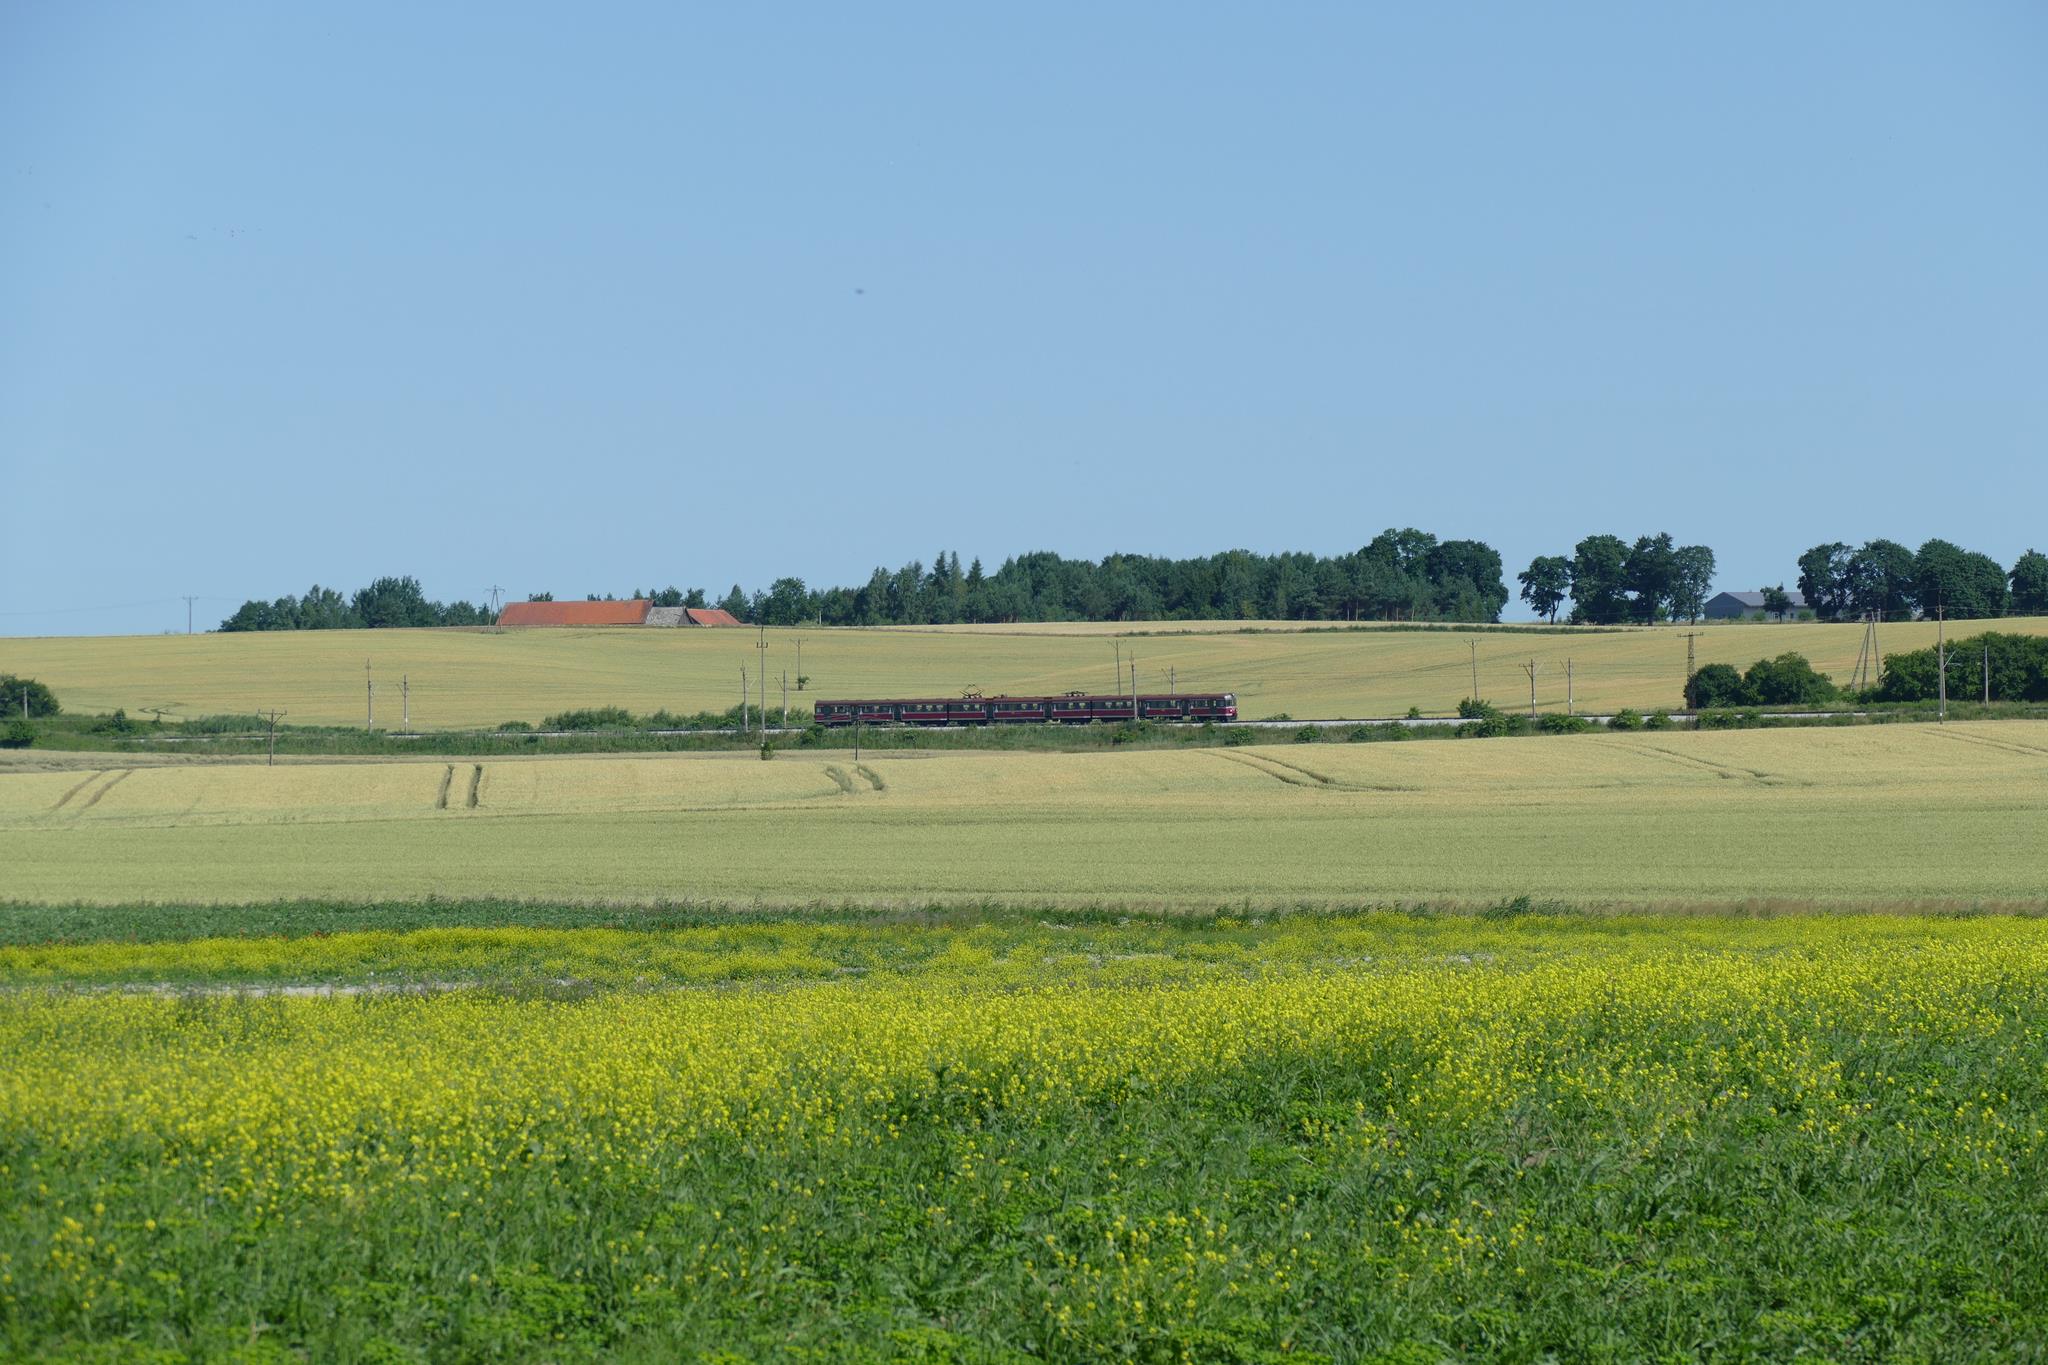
[874, 779]
[476, 786]
[1987, 742]
[839, 779]
[94, 799]
[1725, 770]
[1295, 775]
[92, 777]
[447, 781]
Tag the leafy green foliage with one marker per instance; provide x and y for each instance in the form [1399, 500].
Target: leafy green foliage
[2029, 580]
[2018, 667]
[1787, 680]
[1962, 583]
[41, 701]
[1546, 584]
[1714, 685]
[387, 602]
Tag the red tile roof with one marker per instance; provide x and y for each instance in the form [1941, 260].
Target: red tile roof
[711, 616]
[573, 613]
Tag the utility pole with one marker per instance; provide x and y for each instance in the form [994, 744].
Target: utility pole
[1473, 645]
[1170, 682]
[761, 650]
[405, 701]
[189, 600]
[1530, 669]
[856, 732]
[497, 593]
[1941, 659]
[1134, 688]
[1685, 697]
[799, 663]
[1987, 675]
[746, 698]
[369, 698]
[785, 699]
[272, 717]
[1118, 645]
[1567, 686]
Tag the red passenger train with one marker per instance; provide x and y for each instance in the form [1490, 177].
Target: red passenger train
[1075, 708]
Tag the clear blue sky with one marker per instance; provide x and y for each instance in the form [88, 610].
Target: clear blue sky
[584, 298]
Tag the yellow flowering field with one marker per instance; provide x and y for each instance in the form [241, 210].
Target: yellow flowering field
[1035, 1137]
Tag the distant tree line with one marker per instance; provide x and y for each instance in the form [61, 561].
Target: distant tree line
[1608, 581]
[386, 602]
[1402, 575]
[1885, 579]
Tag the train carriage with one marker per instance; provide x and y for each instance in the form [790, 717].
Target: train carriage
[1073, 708]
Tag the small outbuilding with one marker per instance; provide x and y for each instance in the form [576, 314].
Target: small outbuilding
[1733, 606]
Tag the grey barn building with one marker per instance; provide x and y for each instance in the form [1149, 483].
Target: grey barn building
[1727, 606]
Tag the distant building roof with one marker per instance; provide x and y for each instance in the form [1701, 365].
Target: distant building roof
[1755, 600]
[631, 613]
[711, 616]
[665, 616]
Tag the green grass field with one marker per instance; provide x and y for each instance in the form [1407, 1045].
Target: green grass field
[1859, 816]
[1036, 1137]
[463, 678]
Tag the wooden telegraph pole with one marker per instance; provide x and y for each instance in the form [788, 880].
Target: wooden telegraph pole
[1685, 697]
[405, 701]
[369, 698]
[785, 699]
[1530, 669]
[746, 697]
[1567, 686]
[1473, 646]
[272, 717]
[1941, 659]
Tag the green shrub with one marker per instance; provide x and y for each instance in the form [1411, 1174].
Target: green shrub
[19, 734]
[1788, 680]
[1625, 719]
[1308, 734]
[1659, 719]
[41, 700]
[1714, 685]
[1237, 735]
[225, 724]
[591, 718]
[1484, 720]
[1554, 724]
[514, 727]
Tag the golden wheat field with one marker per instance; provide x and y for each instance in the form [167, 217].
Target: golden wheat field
[1850, 816]
[468, 678]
